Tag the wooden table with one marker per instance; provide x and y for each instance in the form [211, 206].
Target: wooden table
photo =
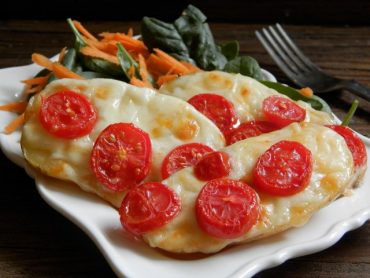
[36, 241]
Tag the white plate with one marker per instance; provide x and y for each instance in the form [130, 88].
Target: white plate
[135, 259]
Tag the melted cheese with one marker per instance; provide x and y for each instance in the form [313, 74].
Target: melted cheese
[330, 178]
[245, 93]
[169, 121]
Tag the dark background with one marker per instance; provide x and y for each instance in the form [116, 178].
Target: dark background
[330, 12]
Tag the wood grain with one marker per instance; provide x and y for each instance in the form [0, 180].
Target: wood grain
[35, 241]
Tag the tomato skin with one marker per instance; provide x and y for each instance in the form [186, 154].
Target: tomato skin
[216, 108]
[227, 208]
[249, 129]
[121, 157]
[67, 114]
[354, 143]
[212, 166]
[148, 207]
[284, 169]
[282, 111]
[183, 156]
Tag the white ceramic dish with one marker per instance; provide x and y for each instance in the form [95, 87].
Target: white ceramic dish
[135, 259]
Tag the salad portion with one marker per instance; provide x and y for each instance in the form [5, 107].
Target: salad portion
[163, 52]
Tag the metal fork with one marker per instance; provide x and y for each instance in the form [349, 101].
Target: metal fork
[300, 69]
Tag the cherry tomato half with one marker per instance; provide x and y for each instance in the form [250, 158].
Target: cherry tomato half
[183, 156]
[282, 111]
[67, 114]
[227, 208]
[284, 169]
[122, 156]
[249, 129]
[148, 207]
[217, 108]
[354, 143]
[212, 166]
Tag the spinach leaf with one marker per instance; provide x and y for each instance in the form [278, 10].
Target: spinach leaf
[245, 65]
[315, 102]
[325, 107]
[93, 74]
[230, 50]
[93, 64]
[70, 62]
[189, 38]
[199, 40]
[162, 35]
[126, 61]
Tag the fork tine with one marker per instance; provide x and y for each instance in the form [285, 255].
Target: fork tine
[278, 50]
[287, 50]
[263, 38]
[298, 53]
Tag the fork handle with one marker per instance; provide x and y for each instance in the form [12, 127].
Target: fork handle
[357, 88]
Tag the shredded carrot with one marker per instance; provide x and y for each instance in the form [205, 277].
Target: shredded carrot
[34, 89]
[43, 61]
[36, 80]
[139, 83]
[172, 62]
[61, 71]
[191, 67]
[166, 78]
[94, 52]
[143, 70]
[62, 54]
[307, 92]
[13, 125]
[130, 32]
[18, 106]
[131, 71]
[130, 43]
[83, 30]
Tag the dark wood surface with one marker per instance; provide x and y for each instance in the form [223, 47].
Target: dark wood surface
[36, 241]
[284, 11]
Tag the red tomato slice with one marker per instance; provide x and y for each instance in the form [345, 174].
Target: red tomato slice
[148, 207]
[284, 169]
[122, 156]
[67, 114]
[354, 143]
[282, 111]
[227, 208]
[217, 108]
[212, 166]
[183, 156]
[249, 129]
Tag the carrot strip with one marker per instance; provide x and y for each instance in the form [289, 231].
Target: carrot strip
[172, 62]
[143, 69]
[94, 52]
[307, 92]
[191, 67]
[61, 71]
[83, 30]
[139, 83]
[130, 32]
[62, 54]
[13, 125]
[19, 106]
[131, 71]
[132, 45]
[123, 38]
[166, 78]
[36, 80]
[34, 89]
[109, 47]
[43, 61]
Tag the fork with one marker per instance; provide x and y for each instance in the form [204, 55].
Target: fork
[299, 68]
